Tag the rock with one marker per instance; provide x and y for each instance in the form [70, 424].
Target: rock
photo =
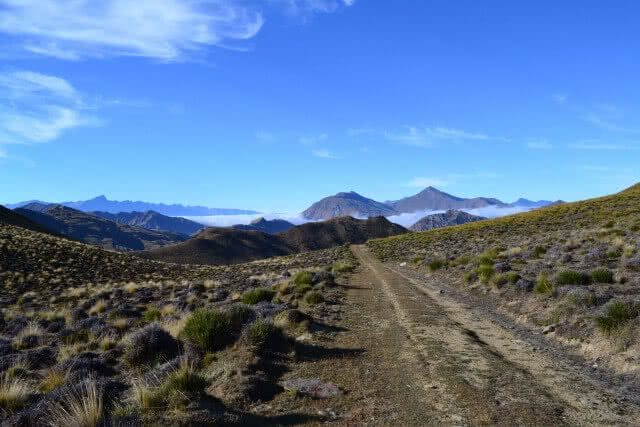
[548, 329]
[150, 345]
[312, 387]
[502, 267]
[524, 285]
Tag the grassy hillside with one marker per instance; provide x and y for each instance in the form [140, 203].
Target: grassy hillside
[573, 270]
[94, 337]
[615, 214]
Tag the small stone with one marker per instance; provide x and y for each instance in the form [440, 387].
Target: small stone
[549, 329]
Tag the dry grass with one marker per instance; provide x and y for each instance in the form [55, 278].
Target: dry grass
[14, 393]
[80, 407]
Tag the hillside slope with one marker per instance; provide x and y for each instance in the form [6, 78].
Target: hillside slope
[339, 231]
[266, 226]
[216, 246]
[97, 231]
[152, 220]
[9, 217]
[571, 271]
[445, 219]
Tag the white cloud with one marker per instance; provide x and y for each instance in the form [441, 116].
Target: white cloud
[324, 154]
[426, 137]
[422, 182]
[306, 7]
[596, 145]
[313, 139]
[560, 98]
[37, 108]
[162, 29]
[539, 144]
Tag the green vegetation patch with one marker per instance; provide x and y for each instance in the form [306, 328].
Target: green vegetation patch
[254, 296]
[484, 272]
[436, 264]
[570, 277]
[209, 330]
[543, 285]
[602, 275]
[617, 314]
[302, 278]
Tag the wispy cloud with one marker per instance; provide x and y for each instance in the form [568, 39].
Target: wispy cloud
[304, 8]
[167, 30]
[37, 108]
[597, 145]
[324, 154]
[313, 139]
[539, 144]
[428, 136]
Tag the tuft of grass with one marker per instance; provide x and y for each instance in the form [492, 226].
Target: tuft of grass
[254, 296]
[617, 314]
[417, 260]
[570, 277]
[152, 314]
[485, 272]
[512, 277]
[52, 380]
[14, 393]
[80, 406]
[543, 285]
[263, 333]
[209, 330]
[302, 278]
[436, 264]
[602, 275]
[313, 297]
[470, 276]
[99, 307]
[238, 315]
[302, 288]
[539, 251]
[499, 280]
[341, 267]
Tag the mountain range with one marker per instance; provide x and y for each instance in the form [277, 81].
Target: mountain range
[429, 199]
[91, 229]
[152, 220]
[272, 226]
[102, 204]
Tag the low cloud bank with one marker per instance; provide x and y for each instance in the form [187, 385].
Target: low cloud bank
[405, 219]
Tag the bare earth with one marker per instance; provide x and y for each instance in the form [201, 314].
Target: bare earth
[415, 353]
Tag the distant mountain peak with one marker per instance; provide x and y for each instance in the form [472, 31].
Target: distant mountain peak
[347, 204]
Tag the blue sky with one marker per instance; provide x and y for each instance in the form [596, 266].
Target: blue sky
[274, 104]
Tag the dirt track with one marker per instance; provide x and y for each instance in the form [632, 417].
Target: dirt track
[428, 358]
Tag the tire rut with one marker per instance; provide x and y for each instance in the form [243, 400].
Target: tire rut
[472, 371]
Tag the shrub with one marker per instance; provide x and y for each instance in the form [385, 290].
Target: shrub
[81, 405]
[339, 267]
[512, 277]
[14, 393]
[150, 345]
[543, 285]
[484, 272]
[302, 278]
[209, 330]
[539, 251]
[313, 297]
[302, 288]
[570, 277]
[499, 280]
[602, 275]
[254, 296]
[238, 315]
[152, 314]
[263, 333]
[436, 264]
[616, 315]
[470, 276]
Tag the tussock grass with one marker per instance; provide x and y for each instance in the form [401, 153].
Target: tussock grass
[436, 264]
[302, 278]
[313, 297]
[570, 277]
[81, 405]
[543, 285]
[254, 296]
[210, 330]
[342, 267]
[617, 314]
[14, 393]
[602, 275]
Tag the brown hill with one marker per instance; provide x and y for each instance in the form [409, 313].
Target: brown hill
[445, 219]
[216, 246]
[9, 217]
